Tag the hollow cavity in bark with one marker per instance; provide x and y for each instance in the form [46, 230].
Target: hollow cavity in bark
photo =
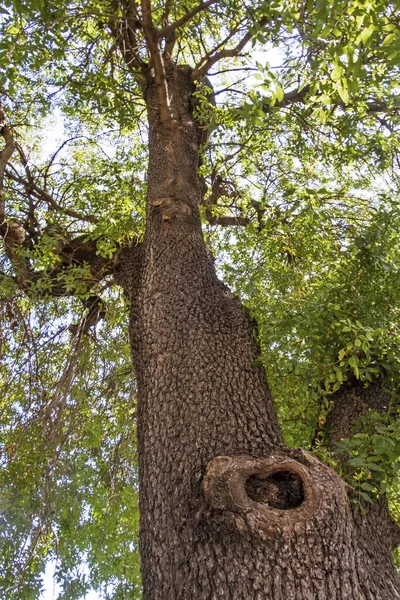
[281, 489]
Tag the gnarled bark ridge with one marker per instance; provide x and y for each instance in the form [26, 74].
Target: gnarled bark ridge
[227, 511]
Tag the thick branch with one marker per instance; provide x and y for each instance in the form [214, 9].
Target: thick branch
[170, 38]
[351, 402]
[214, 56]
[226, 189]
[226, 221]
[167, 30]
[12, 232]
[152, 37]
[124, 31]
[77, 252]
[292, 97]
[128, 268]
[133, 24]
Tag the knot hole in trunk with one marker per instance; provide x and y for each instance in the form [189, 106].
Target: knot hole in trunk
[283, 490]
[270, 497]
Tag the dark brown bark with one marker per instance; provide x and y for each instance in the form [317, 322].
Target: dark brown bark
[378, 535]
[353, 400]
[227, 511]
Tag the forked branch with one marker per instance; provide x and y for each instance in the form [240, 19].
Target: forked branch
[124, 29]
[152, 38]
[216, 55]
[224, 189]
[168, 29]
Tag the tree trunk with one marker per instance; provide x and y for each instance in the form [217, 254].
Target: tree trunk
[378, 534]
[227, 511]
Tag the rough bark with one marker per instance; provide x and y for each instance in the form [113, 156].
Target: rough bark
[378, 534]
[227, 511]
[353, 400]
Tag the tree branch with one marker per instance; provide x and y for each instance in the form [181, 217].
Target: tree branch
[226, 221]
[128, 269]
[226, 189]
[76, 252]
[350, 402]
[167, 30]
[214, 56]
[300, 94]
[96, 311]
[124, 32]
[12, 232]
[33, 188]
[5, 156]
[152, 38]
[170, 39]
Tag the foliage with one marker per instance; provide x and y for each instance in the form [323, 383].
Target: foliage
[302, 212]
[68, 478]
[373, 467]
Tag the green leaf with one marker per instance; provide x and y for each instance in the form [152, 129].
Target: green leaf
[342, 88]
[357, 461]
[366, 497]
[337, 72]
[388, 39]
[367, 486]
[365, 36]
[375, 467]
[279, 93]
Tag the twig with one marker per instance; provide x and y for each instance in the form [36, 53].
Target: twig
[32, 187]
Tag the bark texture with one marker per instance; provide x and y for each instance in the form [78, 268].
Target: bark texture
[352, 401]
[378, 535]
[227, 511]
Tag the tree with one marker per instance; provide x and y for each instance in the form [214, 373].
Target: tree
[286, 174]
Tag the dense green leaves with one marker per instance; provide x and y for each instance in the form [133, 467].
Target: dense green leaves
[68, 479]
